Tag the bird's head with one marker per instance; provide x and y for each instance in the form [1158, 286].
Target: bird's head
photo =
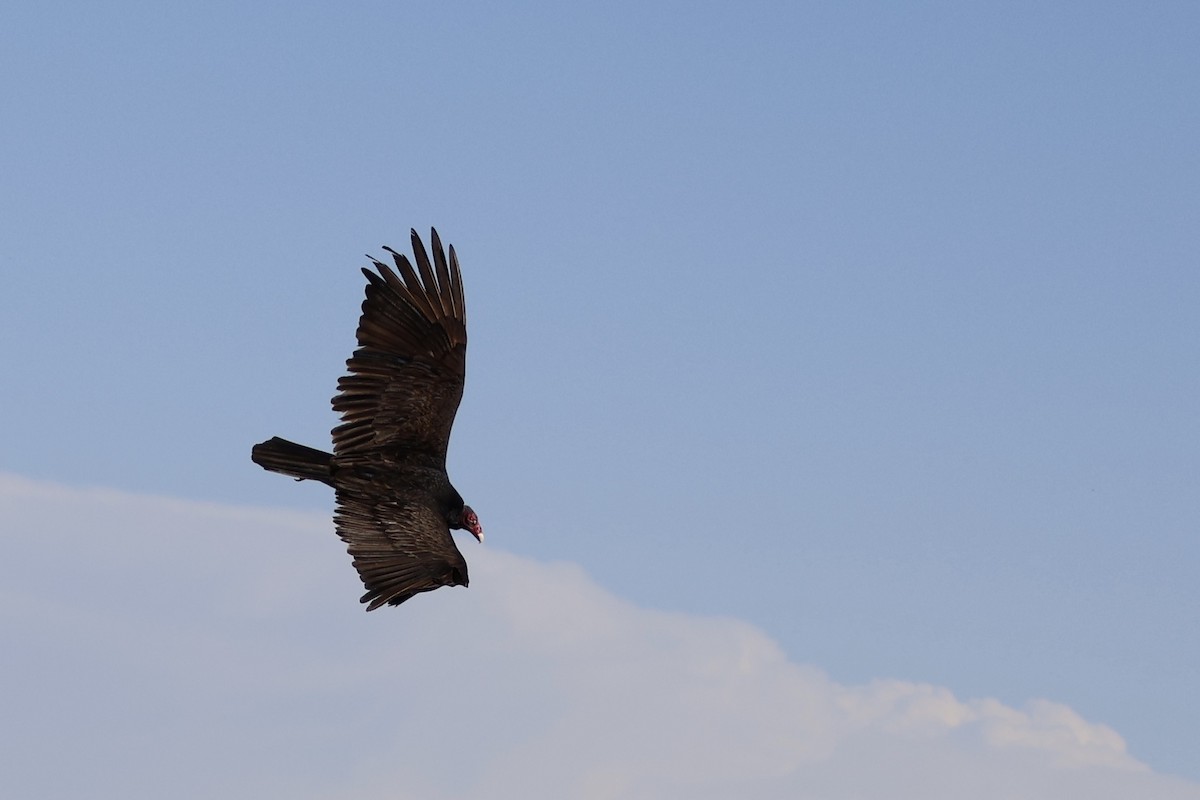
[470, 521]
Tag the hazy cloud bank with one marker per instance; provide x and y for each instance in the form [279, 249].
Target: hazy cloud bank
[165, 648]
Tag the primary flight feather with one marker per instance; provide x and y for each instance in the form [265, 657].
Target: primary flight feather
[395, 503]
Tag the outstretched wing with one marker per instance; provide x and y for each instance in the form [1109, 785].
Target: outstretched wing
[406, 377]
[401, 547]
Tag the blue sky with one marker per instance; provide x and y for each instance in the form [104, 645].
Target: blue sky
[871, 327]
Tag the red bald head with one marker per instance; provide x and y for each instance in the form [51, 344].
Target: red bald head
[471, 522]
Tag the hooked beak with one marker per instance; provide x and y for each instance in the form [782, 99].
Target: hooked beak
[471, 522]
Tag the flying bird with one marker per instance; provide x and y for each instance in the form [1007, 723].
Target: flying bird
[395, 503]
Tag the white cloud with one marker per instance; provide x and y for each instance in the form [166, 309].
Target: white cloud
[164, 648]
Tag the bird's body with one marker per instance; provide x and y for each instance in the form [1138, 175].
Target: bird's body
[395, 503]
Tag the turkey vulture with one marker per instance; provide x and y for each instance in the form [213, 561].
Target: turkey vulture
[395, 503]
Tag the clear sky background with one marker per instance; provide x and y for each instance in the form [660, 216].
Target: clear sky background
[861, 338]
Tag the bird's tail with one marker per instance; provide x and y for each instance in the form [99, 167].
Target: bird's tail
[296, 460]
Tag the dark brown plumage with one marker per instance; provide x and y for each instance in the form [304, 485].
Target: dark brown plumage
[395, 503]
